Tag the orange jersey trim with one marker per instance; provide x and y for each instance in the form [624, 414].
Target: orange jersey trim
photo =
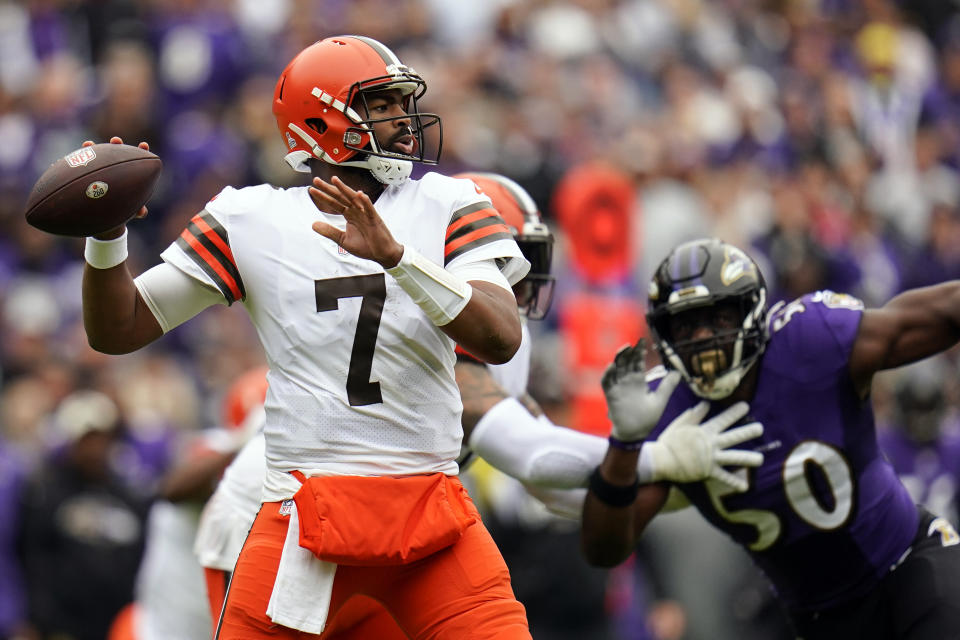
[500, 230]
[207, 244]
[216, 239]
[467, 219]
[212, 262]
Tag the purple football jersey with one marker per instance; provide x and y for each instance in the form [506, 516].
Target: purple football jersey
[825, 516]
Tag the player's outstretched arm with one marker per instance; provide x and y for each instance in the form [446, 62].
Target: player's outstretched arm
[609, 533]
[913, 325]
[617, 507]
[534, 450]
[115, 317]
[480, 316]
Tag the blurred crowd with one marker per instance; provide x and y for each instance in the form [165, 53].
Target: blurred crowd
[821, 135]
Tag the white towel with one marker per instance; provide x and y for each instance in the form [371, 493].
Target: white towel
[301, 593]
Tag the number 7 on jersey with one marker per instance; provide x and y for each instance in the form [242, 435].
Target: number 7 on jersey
[361, 390]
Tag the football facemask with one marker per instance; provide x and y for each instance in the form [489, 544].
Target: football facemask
[700, 278]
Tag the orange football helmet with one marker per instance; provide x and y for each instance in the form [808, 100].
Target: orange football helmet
[535, 292]
[317, 110]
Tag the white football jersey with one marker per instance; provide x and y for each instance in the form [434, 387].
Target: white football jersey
[170, 590]
[230, 511]
[361, 381]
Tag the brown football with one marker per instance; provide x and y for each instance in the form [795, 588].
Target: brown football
[93, 189]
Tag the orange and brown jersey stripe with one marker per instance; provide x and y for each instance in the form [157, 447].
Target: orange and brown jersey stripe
[472, 226]
[206, 242]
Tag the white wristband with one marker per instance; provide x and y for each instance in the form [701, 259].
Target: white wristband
[105, 254]
[441, 294]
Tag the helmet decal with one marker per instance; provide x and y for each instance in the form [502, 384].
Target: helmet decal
[736, 265]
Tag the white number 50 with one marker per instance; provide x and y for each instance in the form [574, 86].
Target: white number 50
[799, 494]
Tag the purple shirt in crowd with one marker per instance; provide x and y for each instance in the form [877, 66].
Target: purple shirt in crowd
[12, 595]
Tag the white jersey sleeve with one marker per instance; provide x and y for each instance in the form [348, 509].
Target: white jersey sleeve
[534, 450]
[174, 297]
[477, 232]
[203, 250]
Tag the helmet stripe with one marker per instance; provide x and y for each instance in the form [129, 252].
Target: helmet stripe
[381, 49]
[678, 272]
[695, 267]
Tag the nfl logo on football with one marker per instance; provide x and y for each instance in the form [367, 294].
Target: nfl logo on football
[80, 157]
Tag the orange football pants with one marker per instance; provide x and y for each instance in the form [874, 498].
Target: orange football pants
[359, 617]
[217, 581]
[462, 592]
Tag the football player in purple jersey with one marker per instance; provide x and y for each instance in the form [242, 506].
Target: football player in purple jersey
[848, 552]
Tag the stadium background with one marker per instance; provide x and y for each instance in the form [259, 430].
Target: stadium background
[822, 135]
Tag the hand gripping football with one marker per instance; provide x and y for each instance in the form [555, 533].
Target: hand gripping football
[93, 189]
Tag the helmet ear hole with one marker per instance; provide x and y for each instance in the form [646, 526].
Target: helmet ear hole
[317, 124]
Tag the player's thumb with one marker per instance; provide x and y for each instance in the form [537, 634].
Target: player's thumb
[328, 231]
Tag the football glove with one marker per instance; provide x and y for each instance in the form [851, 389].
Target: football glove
[633, 408]
[688, 451]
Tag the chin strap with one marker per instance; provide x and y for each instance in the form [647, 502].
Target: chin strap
[388, 171]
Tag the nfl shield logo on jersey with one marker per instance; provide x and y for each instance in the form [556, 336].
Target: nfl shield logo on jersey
[286, 507]
[80, 157]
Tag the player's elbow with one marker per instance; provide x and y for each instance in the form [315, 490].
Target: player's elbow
[506, 340]
[501, 351]
[109, 343]
[106, 346]
[495, 345]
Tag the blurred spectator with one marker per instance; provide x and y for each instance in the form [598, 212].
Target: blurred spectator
[82, 531]
[922, 439]
[12, 592]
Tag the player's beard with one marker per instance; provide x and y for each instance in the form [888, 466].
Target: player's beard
[395, 146]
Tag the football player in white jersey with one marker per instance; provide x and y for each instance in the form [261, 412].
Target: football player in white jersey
[229, 512]
[358, 322]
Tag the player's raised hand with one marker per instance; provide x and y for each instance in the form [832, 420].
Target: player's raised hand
[119, 140]
[688, 451]
[366, 235]
[634, 408]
